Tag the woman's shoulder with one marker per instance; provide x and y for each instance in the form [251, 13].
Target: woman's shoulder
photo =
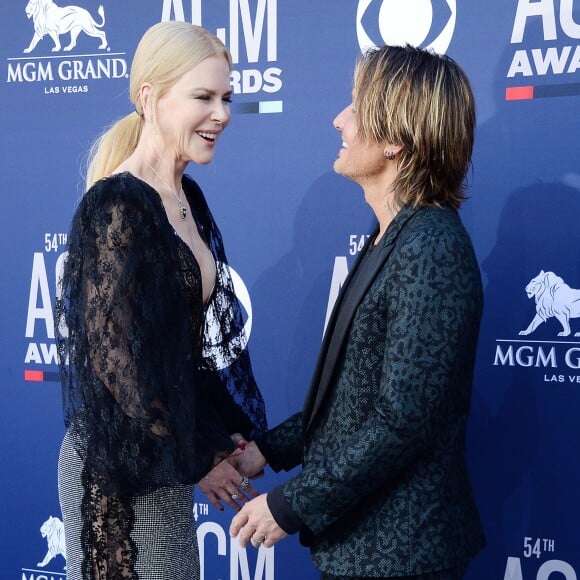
[122, 198]
[118, 186]
[122, 190]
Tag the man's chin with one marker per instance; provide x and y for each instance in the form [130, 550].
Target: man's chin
[336, 167]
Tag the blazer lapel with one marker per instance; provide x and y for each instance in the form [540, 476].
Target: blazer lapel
[327, 339]
[337, 328]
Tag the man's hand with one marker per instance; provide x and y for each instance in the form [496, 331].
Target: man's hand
[255, 523]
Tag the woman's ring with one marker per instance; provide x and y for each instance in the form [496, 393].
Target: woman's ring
[258, 541]
[244, 483]
[235, 495]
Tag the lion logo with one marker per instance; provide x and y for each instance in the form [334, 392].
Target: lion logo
[53, 530]
[54, 20]
[553, 298]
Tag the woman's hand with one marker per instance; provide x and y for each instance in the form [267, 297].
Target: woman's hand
[249, 461]
[224, 484]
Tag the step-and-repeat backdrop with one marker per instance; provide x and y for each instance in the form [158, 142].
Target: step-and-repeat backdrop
[292, 230]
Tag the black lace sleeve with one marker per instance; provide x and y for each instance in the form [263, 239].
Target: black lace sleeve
[129, 385]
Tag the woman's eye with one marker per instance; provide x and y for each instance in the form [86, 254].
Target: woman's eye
[227, 99]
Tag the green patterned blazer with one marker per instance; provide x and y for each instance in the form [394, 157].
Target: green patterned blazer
[384, 488]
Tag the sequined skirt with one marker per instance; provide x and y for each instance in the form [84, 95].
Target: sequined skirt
[164, 529]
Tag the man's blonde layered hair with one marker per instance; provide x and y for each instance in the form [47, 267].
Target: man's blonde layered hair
[422, 101]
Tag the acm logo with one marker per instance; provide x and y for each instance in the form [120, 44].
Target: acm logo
[425, 23]
[249, 28]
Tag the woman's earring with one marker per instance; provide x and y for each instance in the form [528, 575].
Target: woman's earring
[390, 155]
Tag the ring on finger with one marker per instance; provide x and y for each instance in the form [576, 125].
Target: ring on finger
[257, 541]
[244, 483]
[235, 495]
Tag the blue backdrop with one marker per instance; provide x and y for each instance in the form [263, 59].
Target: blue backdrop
[292, 228]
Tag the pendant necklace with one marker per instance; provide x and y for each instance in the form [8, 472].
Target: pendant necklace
[182, 208]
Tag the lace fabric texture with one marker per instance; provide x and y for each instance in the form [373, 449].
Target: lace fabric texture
[153, 381]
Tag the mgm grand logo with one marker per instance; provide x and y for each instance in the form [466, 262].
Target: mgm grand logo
[65, 25]
[554, 299]
[52, 20]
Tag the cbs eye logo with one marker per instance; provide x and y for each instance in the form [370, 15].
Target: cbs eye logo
[424, 23]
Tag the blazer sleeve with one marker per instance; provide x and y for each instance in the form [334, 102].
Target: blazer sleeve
[283, 448]
[283, 445]
[433, 303]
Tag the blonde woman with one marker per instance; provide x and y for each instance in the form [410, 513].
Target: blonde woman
[155, 374]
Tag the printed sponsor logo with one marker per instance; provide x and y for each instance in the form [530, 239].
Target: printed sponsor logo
[239, 566]
[249, 28]
[59, 69]
[54, 21]
[546, 58]
[40, 359]
[529, 565]
[553, 299]
[425, 23]
[560, 568]
[53, 531]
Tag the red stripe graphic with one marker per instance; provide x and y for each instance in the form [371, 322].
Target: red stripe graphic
[519, 93]
[37, 376]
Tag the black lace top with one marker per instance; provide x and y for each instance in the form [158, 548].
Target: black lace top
[153, 381]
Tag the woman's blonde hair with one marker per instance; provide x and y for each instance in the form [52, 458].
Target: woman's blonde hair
[421, 101]
[165, 53]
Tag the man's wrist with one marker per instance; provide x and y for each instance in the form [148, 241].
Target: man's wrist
[281, 511]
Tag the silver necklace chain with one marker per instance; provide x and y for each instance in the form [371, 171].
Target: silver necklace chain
[182, 208]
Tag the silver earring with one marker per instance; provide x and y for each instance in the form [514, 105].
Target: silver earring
[390, 155]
